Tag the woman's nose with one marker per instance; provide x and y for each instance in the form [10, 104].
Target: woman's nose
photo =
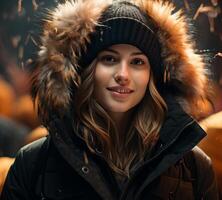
[122, 74]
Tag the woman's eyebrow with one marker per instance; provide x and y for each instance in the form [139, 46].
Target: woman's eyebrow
[112, 51]
[138, 53]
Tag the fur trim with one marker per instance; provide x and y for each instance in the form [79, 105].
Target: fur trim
[67, 30]
[188, 73]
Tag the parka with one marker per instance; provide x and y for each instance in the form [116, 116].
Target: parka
[62, 167]
[51, 169]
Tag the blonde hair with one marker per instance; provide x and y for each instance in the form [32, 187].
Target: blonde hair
[99, 131]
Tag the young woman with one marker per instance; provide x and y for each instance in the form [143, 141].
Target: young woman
[118, 85]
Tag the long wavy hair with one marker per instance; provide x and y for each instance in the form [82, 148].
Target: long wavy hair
[100, 133]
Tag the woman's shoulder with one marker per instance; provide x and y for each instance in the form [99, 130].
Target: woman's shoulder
[28, 156]
[205, 176]
[198, 162]
[202, 160]
[32, 149]
[21, 172]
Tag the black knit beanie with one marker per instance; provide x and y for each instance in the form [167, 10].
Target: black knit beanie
[125, 23]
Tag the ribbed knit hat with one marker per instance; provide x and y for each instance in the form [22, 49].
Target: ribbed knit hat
[125, 23]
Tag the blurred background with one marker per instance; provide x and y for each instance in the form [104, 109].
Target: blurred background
[19, 30]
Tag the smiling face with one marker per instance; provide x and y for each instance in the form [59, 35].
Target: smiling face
[121, 77]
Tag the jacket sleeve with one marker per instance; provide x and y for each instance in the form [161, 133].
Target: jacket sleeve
[206, 179]
[17, 185]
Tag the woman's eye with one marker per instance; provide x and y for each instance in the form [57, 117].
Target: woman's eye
[108, 59]
[137, 61]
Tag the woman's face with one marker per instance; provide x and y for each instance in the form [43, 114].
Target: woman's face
[121, 77]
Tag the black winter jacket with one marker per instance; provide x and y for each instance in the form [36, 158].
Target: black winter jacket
[61, 168]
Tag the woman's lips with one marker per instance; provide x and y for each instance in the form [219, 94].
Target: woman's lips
[121, 90]
[120, 93]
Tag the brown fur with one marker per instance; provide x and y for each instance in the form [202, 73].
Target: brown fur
[67, 30]
[187, 68]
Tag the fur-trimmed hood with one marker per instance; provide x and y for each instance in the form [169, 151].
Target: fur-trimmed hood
[66, 33]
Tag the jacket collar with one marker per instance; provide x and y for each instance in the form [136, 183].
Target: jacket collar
[176, 121]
